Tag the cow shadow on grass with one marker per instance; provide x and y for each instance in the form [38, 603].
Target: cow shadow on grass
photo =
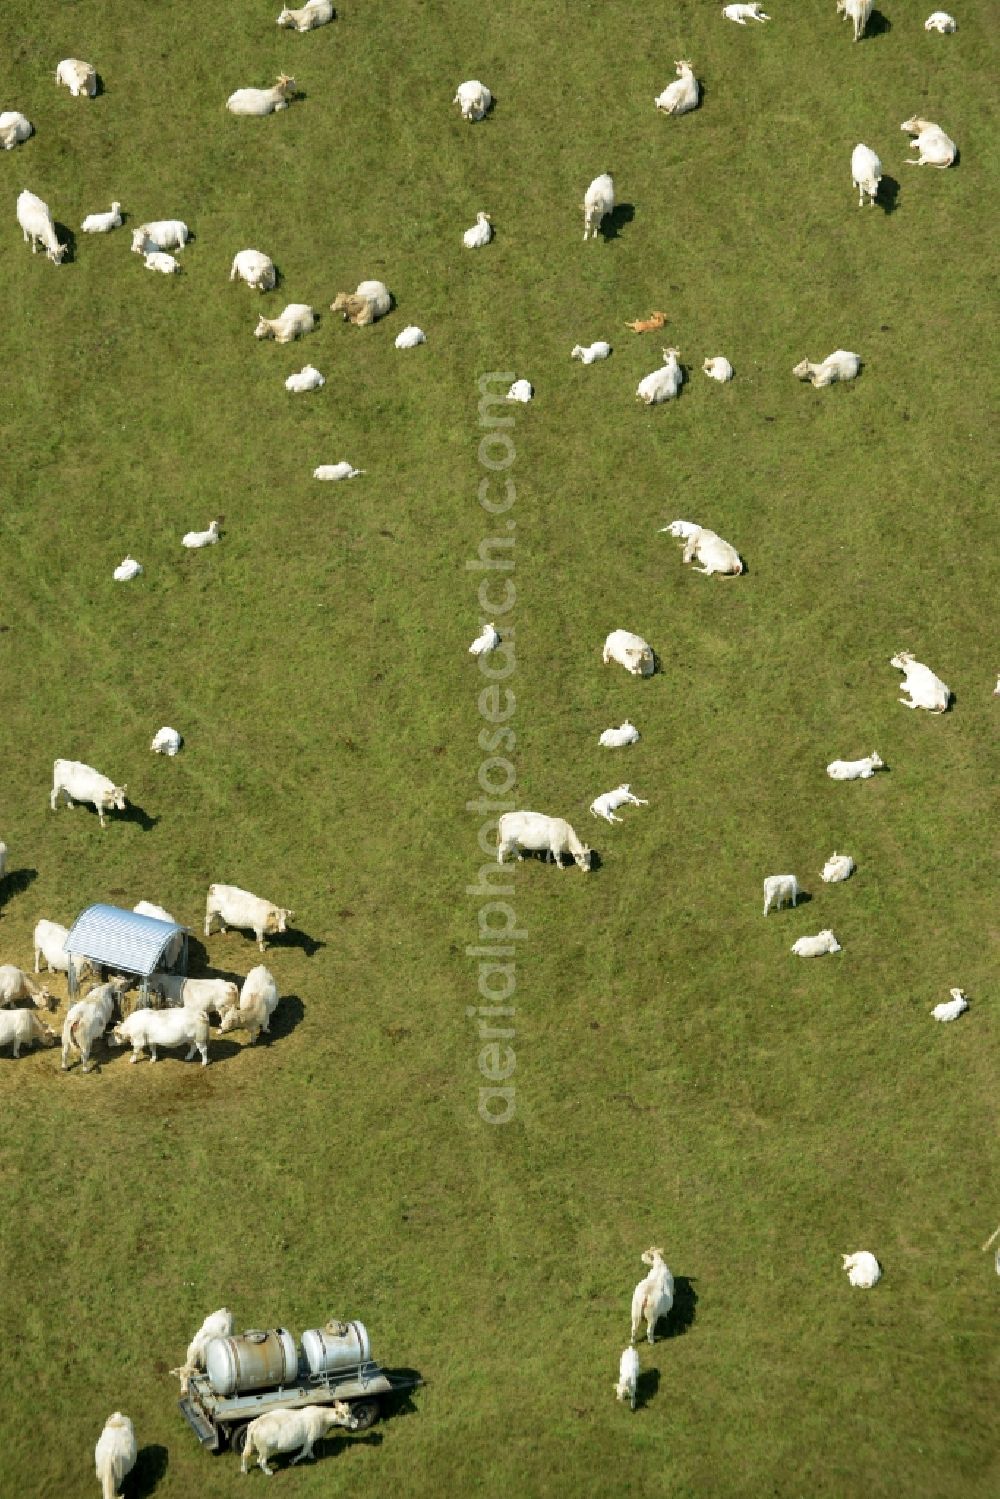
[646, 1387]
[294, 938]
[287, 1016]
[150, 1469]
[878, 25]
[888, 194]
[682, 1314]
[614, 222]
[136, 814]
[15, 882]
[65, 236]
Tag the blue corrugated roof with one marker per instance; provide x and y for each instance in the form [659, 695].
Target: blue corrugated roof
[120, 939]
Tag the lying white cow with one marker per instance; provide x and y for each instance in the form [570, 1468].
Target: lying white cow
[863, 1269]
[591, 353]
[854, 770]
[924, 688]
[842, 364]
[714, 554]
[779, 888]
[933, 147]
[258, 1002]
[23, 1028]
[165, 741]
[663, 384]
[296, 318]
[837, 867]
[626, 733]
[306, 379]
[160, 234]
[473, 98]
[951, 1009]
[284, 1430]
[14, 128]
[537, 832]
[741, 14]
[159, 260]
[940, 21]
[16, 986]
[156, 1028]
[606, 805]
[81, 783]
[255, 268]
[313, 13]
[630, 651]
[235, 907]
[815, 947]
[88, 1019]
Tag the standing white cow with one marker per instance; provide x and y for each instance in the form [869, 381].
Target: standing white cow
[87, 1020]
[235, 907]
[598, 204]
[50, 944]
[78, 76]
[653, 1296]
[858, 12]
[155, 1028]
[779, 888]
[81, 783]
[216, 1325]
[255, 268]
[23, 1028]
[284, 1430]
[115, 1454]
[16, 986]
[538, 832]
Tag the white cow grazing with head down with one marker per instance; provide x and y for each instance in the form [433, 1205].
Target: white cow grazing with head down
[940, 20]
[863, 1269]
[866, 173]
[473, 98]
[115, 1454]
[539, 833]
[598, 204]
[255, 268]
[663, 384]
[630, 651]
[37, 226]
[23, 1028]
[815, 947]
[628, 1376]
[14, 128]
[313, 13]
[179, 1026]
[50, 940]
[79, 77]
[235, 907]
[840, 365]
[16, 986]
[677, 98]
[924, 688]
[262, 101]
[653, 1296]
[160, 234]
[284, 1430]
[605, 806]
[293, 320]
[216, 1325]
[258, 1002]
[88, 1019]
[779, 888]
[837, 867]
[858, 12]
[81, 783]
[933, 147]
[626, 733]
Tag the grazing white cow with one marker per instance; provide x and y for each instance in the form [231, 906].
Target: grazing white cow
[176, 944]
[866, 173]
[815, 947]
[180, 1026]
[38, 228]
[941, 21]
[663, 384]
[591, 353]
[79, 77]
[741, 14]
[840, 365]
[626, 733]
[159, 260]
[863, 1269]
[216, 1325]
[951, 1009]
[537, 832]
[23, 1028]
[88, 1019]
[50, 944]
[410, 337]
[293, 320]
[678, 97]
[285, 1430]
[480, 234]
[160, 234]
[14, 128]
[166, 741]
[473, 98]
[365, 305]
[314, 13]
[257, 1003]
[103, 223]
[521, 390]
[16, 986]
[255, 268]
[630, 651]
[115, 1454]
[598, 204]
[718, 368]
[837, 867]
[127, 570]
[653, 1296]
[342, 470]
[306, 379]
[858, 12]
[924, 688]
[779, 888]
[486, 641]
[205, 995]
[235, 907]
[933, 147]
[606, 805]
[81, 783]
[628, 1376]
[262, 101]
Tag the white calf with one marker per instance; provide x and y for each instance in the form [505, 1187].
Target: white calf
[115, 1454]
[630, 651]
[653, 1296]
[306, 379]
[23, 1028]
[626, 733]
[863, 1269]
[284, 1430]
[521, 390]
[538, 832]
[81, 783]
[103, 223]
[590, 353]
[628, 1376]
[605, 806]
[837, 867]
[866, 173]
[15, 986]
[779, 888]
[235, 907]
[159, 260]
[165, 741]
[156, 1028]
[815, 947]
[951, 1009]
[598, 204]
[487, 640]
[854, 770]
[409, 337]
[262, 101]
[718, 368]
[480, 234]
[924, 688]
[342, 470]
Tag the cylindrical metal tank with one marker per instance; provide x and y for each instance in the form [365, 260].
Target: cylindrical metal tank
[338, 1345]
[251, 1362]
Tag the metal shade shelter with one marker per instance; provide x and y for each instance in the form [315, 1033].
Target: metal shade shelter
[124, 941]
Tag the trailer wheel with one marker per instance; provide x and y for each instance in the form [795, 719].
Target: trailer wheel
[365, 1412]
[238, 1437]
